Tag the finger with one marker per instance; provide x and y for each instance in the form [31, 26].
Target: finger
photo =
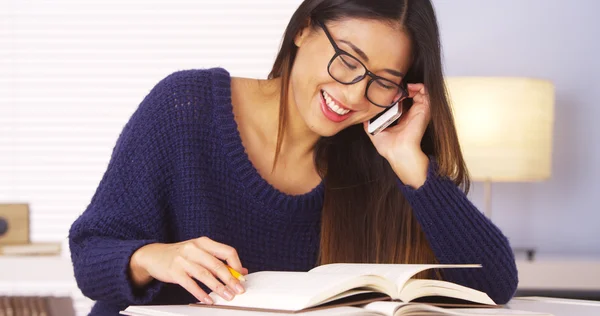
[196, 254]
[244, 271]
[424, 117]
[205, 276]
[421, 104]
[419, 98]
[192, 287]
[417, 110]
[415, 89]
[419, 87]
[218, 268]
[415, 86]
[419, 107]
[409, 121]
[221, 251]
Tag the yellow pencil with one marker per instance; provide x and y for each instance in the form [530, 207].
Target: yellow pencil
[236, 274]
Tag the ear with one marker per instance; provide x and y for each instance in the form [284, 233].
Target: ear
[303, 33]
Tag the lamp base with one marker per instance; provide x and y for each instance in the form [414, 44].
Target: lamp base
[528, 251]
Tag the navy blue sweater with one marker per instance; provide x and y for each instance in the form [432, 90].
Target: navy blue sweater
[179, 171]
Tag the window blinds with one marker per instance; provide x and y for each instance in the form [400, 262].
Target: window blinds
[72, 72]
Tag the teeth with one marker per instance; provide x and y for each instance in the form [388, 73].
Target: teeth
[332, 106]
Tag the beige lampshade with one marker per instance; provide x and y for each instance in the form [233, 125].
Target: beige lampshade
[504, 126]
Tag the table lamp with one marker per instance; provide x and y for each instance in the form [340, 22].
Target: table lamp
[504, 126]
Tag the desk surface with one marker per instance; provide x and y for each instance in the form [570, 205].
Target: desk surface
[556, 306]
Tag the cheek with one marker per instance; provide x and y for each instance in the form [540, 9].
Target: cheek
[374, 111]
[300, 85]
[308, 74]
[300, 77]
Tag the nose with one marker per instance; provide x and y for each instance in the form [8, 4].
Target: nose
[355, 95]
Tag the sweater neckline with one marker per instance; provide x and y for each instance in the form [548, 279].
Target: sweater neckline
[239, 161]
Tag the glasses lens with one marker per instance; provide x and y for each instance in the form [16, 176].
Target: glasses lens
[384, 93]
[346, 69]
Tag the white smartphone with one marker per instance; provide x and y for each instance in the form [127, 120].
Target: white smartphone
[384, 119]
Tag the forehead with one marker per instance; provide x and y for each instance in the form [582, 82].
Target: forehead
[386, 44]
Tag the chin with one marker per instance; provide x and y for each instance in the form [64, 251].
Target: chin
[326, 129]
[327, 133]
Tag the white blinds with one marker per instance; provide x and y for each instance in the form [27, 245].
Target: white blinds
[72, 72]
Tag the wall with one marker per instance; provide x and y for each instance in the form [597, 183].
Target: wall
[554, 40]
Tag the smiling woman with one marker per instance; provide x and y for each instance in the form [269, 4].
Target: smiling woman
[280, 174]
[336, 76]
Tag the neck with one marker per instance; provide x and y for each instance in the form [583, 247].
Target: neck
[298, 139]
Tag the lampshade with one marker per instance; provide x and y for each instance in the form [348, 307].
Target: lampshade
[504, 126]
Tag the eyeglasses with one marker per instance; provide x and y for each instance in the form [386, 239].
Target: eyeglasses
[347, 69]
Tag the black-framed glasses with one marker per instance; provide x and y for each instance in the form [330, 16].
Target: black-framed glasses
[347, 69]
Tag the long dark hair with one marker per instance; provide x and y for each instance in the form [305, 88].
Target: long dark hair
[365, 216]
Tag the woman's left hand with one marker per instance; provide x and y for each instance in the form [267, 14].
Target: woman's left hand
[401, 144]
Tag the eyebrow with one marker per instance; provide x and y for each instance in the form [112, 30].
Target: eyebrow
[364, 56]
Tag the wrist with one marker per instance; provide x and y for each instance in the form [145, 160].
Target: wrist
[137, 266]
[411, 168]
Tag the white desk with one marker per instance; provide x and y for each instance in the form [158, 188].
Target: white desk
[556, 306]
[545, 306]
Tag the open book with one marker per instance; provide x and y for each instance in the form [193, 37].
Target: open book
[374, 309]
[348, 284]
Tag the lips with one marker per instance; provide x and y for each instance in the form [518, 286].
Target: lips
[331, 114]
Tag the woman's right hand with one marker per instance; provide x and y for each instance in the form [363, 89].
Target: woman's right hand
[182, 262]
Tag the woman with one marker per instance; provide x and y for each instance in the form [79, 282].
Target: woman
[280, 174]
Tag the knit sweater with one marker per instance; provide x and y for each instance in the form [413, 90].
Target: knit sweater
[179, 171]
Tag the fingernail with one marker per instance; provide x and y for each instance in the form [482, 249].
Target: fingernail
[208, 300]
[228, 295]
[239, 288]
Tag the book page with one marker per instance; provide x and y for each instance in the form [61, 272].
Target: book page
[198, 310]
[495, 312]
[406, 309]
[291, 291]
[418, 288]
[385, 308]
[398, 273]
[420, 309]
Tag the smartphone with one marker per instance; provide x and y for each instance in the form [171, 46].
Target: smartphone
[384, 119]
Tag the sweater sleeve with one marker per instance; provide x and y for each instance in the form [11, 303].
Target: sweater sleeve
[128, 208]
[460, 234]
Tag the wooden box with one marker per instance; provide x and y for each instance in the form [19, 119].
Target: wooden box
[14, 224]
